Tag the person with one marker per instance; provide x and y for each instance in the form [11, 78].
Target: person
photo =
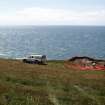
[93, 64]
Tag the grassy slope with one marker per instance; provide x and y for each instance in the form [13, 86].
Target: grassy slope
[52, 84]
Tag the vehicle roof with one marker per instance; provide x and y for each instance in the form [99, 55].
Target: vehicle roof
[36, 55]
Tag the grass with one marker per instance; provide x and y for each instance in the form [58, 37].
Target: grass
[52, 84]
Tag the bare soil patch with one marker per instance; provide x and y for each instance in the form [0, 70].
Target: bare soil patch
[94, 76]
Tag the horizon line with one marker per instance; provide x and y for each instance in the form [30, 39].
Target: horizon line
[52, 25]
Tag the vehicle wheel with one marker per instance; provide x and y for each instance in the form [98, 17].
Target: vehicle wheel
[24, 60]
[36, 62]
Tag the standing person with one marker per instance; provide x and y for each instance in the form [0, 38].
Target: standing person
[94, 65]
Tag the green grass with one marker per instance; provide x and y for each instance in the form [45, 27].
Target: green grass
[51, 84]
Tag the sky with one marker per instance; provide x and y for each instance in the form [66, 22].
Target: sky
[52, 12]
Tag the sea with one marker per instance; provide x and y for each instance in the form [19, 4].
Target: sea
[56, 42]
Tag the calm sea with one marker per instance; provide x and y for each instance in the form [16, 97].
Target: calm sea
[57, 42]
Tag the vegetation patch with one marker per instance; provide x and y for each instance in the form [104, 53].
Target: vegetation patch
[51, 84]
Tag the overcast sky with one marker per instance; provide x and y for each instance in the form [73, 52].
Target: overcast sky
[52, 12]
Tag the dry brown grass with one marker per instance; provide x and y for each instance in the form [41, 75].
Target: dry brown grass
[52, 84]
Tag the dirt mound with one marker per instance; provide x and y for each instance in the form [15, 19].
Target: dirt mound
[85, 63]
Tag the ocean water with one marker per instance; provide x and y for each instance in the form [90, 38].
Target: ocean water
[57, 42]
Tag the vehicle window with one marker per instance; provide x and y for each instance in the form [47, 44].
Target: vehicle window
[30, 57]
